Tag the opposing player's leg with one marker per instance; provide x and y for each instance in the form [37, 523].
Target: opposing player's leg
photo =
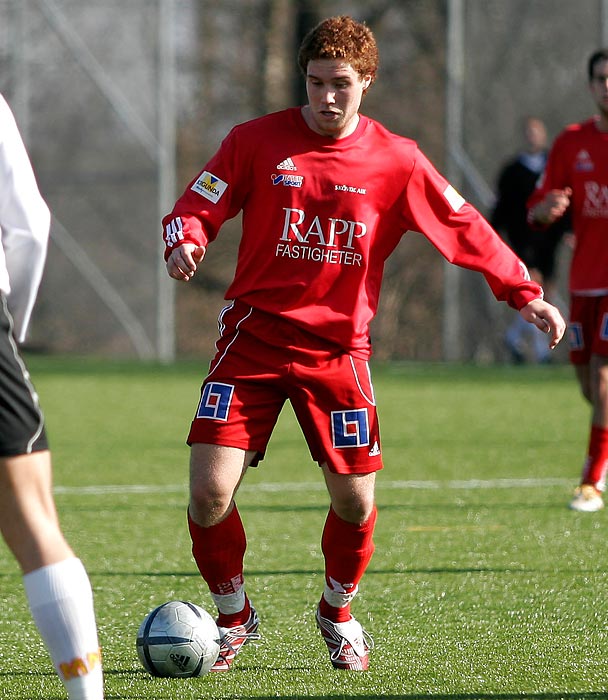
[219, 542]
[56, 584]
[28, 518]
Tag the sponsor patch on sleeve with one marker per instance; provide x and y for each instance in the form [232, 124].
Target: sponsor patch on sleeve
[209, 186]
[455, 200]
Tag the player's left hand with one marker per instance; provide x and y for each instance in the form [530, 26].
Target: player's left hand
[546, 317]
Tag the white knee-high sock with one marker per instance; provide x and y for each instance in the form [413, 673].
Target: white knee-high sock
[61, 602]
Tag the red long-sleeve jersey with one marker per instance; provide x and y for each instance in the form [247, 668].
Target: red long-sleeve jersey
[322, 215]
[579, 159]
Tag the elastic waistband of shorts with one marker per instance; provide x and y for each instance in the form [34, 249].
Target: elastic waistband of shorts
[274, 329]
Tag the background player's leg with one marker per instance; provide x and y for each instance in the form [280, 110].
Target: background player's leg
[596, 464]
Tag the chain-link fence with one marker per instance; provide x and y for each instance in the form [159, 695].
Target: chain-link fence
[98, 87]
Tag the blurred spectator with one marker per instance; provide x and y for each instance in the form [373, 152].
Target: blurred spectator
[538, 250]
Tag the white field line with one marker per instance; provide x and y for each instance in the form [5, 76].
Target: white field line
[270, 487]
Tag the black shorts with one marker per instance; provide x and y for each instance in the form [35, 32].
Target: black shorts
[21, 420]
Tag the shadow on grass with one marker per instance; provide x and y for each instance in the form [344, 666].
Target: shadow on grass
[380, 696]
[193, 573]
[442, 696]
[160, 695]
[370, 572]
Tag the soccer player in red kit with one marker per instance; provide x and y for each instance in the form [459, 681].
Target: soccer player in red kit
[576, 178]
[325, 195]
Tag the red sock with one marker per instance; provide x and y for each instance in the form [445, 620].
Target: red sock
[348, 549]
[218, 552]
[594, 472]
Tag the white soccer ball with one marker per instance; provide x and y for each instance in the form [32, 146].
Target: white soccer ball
[178, 640]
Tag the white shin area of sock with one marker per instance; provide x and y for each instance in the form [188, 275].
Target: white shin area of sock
[61, 603]
[337, 596]
[230, 603]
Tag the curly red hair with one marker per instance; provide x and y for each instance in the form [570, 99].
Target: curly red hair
[345, 38]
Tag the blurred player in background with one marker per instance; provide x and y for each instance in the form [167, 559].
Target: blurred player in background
[538, 250]
[325, 195]
[576, 181]
[56, 583]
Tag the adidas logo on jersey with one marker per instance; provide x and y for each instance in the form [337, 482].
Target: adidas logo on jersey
[375, 451]
[286, 164]
[583, 162]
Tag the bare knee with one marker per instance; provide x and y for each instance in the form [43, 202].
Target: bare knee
[352, 495]
[215, 474]
[208, 505]
[353, 510]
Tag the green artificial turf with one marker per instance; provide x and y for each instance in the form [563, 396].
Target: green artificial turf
[483, 583]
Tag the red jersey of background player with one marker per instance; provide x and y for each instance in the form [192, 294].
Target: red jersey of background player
[321, 216]
[571, 164]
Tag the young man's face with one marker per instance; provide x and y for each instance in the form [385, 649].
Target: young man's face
[335, 91]
[599, 86]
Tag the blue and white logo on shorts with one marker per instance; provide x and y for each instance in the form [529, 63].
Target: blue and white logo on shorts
[350, 428]
[575, 336]
[604, 328]
[215, 401]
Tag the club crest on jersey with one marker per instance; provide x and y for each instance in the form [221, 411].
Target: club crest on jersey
[287, 180]
[350, 428]
[209, 186]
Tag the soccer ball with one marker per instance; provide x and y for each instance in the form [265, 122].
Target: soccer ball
[178, 640]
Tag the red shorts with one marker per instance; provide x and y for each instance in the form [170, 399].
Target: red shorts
[263, 361]
[588, 328]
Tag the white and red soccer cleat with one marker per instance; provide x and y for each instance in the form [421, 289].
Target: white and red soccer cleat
[348, 643]
[232, 639]
[587, 499]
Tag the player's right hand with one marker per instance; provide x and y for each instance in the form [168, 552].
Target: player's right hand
[184, 260]
[553, 206]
